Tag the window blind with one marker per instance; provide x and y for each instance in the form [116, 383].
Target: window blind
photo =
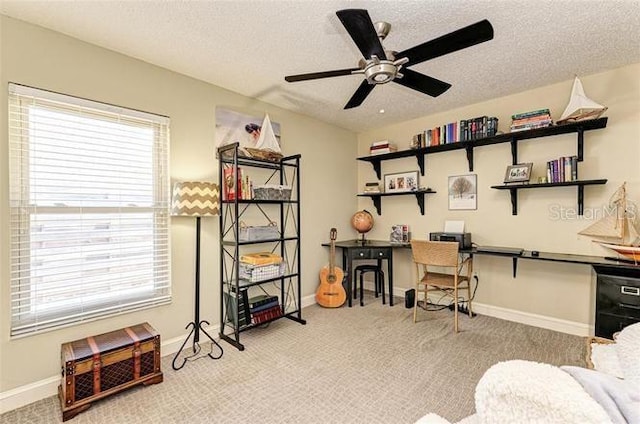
[89, 210]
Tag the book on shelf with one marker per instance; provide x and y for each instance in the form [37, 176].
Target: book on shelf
[261, 258]
[271, 304]
[242, 186]
[373, 187]
[261, 299]
[529, 114]
[266, 315]
[563, 169]
[237, 307]
[384, 147]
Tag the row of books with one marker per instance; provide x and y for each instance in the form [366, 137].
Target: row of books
[562, 169]
[453, 132]
[529, 120]
[263, 308]
[242, 187]
[381, 147]
[242, 310]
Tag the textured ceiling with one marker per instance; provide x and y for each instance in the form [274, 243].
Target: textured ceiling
[249, 46]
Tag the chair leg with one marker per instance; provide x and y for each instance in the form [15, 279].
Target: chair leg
[415, 303]
[380, 279]
[469, 299]
[361, 289]
[455, 308]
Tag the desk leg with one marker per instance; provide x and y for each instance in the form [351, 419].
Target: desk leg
[346, 265]
[390, 268]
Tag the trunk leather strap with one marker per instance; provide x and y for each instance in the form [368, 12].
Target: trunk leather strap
[97, 364]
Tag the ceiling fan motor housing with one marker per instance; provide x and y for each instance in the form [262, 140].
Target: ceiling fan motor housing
[380, 71]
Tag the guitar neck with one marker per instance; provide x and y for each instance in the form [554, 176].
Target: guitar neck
[332, 254]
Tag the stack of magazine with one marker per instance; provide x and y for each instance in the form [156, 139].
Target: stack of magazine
[372, 188]
[400, 234]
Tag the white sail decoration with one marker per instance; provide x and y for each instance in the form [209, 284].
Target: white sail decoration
[267, 139]
[267, 146]
[580, 107]
[618, 230]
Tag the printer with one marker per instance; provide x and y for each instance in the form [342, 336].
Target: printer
[464, 239]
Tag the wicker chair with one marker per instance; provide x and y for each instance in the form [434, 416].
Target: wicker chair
[441, 254]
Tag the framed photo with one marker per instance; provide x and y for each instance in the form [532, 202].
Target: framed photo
[520, 173]
[232, 126]
[463, 192]
[404, 181]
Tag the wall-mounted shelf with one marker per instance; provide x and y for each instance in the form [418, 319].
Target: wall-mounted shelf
[376, 198]
[513, 138]
[513, 189]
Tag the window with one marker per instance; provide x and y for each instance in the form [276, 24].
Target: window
[89, 210]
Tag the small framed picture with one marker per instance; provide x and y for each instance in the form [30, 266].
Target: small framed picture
[463, 192]
[520, 173]
[400, 182]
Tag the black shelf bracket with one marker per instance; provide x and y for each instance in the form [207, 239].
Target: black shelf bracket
[514, 201]
[514, 151]
[420, 200]
[376, 167]
[469, 150]
[515, 266]
[377, 203]
[420, 159]
[580, 200]
[580, 155]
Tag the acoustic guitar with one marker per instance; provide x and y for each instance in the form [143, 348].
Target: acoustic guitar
[330, 293]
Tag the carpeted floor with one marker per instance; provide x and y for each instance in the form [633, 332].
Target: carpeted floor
[347, 365]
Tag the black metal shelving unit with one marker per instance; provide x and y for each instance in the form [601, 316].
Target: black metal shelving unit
[288, 286]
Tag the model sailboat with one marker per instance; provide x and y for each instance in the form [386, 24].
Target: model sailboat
[267, 146]
[618, 229]
[580, 107]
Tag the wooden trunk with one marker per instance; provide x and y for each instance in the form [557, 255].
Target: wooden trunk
[99, 366]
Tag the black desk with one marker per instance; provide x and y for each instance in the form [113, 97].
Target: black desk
[370, 249]
[595, 261]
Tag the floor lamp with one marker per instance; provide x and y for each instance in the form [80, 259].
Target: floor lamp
[196, 199]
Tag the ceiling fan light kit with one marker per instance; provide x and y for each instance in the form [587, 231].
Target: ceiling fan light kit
[380, 66]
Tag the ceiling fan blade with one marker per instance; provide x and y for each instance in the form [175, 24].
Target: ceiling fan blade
[423, 83]
[457, 40]
[318, 75]
[361, 93]
[359, 26]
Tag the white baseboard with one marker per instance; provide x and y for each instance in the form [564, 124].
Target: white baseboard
[29, 393]
[24, 395]
[550, 323]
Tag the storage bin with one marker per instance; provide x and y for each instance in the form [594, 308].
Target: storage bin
[271, 192]
[258, 232]
[255, 273]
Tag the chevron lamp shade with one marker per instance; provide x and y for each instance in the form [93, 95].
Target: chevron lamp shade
[195, 198]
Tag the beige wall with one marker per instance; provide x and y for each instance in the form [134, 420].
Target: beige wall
[330, 179]
[557, 291]
[37, 57]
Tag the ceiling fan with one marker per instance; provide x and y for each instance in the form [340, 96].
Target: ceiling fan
[381, 66]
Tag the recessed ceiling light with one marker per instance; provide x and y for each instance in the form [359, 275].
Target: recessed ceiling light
[381, 110]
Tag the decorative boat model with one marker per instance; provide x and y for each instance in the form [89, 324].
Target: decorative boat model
[580, 107]
[618, 229]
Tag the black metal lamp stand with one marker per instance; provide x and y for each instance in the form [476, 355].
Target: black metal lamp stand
[196, 324]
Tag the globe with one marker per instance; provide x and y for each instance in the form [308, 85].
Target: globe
[362, 222]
